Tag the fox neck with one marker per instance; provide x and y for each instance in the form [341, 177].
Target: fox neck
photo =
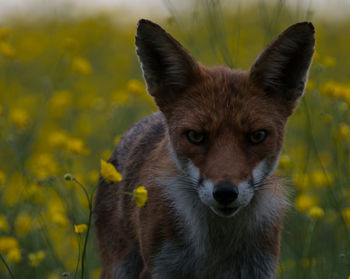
[205, 231]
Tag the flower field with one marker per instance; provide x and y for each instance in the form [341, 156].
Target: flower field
[70, 87]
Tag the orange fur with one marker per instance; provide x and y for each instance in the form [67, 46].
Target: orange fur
[214, 209]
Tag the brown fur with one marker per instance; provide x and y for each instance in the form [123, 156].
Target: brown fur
[224, 104]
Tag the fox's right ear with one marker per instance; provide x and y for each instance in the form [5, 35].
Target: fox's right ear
[166, 65]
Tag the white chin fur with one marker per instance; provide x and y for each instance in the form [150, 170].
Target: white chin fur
[226, 214]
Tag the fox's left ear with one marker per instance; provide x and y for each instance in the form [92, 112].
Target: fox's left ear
[282, 67]
[167, 67]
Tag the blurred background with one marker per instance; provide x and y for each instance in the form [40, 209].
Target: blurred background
[70, 86]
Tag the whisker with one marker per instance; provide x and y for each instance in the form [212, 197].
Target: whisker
[260, 183]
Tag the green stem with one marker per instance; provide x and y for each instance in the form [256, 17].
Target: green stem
[86, 240]
[307, 246]
[89, 199]
[7, 267]
[78, 261]
[85, 191]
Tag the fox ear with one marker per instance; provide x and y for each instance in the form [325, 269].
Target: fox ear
[165, 63]
[282, 67]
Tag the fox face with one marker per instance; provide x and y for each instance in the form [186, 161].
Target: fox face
[227, 138]
[226, 127]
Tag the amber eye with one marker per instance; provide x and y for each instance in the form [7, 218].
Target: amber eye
[195, 137]
[257, 136]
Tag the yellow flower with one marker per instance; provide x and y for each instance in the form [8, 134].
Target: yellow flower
[70, 43]
[344, 131]
[81, 66]
[19, 117]
[14, 255]
[304, 202]
[7, 50]
[79, 229]
[4, 32]
[53, 276]
[8, 243]
[58, 139]
[138, 89]
[346, 216]
[3, 177]
[43, 165]
[15, 185]
[36, 258]
[23, 224]
[4, 225]
[140, 196]
[109, 172]
[329, 61]
[285, 162]
[316, 212]
[310, 85]
[301, 181]
[336, 90]
[321, 179]
[59, 219]
[61, 98]
[10, 248]
[59, 102]
[34, 193]
[135, 86]
[120, 97]
[76, 146]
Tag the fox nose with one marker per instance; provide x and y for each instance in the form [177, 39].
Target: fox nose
[225, 193]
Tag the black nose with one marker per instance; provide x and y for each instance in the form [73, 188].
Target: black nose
[225, 193]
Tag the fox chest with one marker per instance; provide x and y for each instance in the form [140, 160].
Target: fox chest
[175, 262]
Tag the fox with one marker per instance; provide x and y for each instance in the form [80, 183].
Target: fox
[215, 207]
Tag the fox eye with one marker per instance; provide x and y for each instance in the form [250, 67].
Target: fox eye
[195, 137]
[257, 137]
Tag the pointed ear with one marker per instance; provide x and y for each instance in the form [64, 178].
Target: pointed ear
[282, 67]
[165, 63]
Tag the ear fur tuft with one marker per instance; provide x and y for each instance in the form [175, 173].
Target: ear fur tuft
[165, 63]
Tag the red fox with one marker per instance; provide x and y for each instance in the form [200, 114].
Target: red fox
[214, 208]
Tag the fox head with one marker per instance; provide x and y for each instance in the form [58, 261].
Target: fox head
[226, 127]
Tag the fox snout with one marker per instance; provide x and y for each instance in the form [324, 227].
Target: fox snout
[225, 196]
[225, 193]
